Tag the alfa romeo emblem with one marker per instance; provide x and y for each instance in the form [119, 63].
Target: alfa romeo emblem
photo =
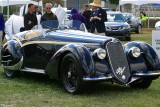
[120, 70]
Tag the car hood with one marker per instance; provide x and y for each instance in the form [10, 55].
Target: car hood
[75, 36]
[116, 24]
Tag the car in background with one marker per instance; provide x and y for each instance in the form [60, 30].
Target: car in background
[116, 26]
[135, 22]
[157, 25]
[106, 9]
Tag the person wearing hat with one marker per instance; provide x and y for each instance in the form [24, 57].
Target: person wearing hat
[98, 17]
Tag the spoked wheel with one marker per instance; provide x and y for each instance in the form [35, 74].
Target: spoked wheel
[142, 83]
[11, 73]
[139, 29]
[71, 75]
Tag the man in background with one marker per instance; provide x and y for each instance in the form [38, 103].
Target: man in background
[1, 31]
[98, 17]
[87, 14]
[143, 18]
[1, 28]
[48, 15]
[30, 19]
[37, 11]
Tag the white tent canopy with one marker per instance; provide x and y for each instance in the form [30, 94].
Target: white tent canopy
[138, 2]
[16, 2]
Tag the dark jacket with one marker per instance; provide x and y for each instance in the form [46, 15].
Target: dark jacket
[30, 20]
[87, 15]
[48, 16]
[99, 24]
[1, 22]
[76, 16]
[37, 13]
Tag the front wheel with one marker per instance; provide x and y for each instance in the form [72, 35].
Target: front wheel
[143, 83]
[11, 74]
[71, 74]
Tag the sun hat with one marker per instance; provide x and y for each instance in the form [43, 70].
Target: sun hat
[96, 3]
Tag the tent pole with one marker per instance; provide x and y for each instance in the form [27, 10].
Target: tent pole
[42, 7]
[8, 9]
[2, 8]
[148, 16]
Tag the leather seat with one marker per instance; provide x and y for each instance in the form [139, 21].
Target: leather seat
[33, 34]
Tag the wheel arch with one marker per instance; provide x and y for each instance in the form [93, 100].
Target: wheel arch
[79, 51]
[148, 54]
[11, 54]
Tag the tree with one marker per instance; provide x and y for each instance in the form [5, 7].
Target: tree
[114, 1]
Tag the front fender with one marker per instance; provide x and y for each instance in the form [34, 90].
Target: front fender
[147, 61]
[81, 53]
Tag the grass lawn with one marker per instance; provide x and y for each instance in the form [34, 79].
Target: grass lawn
[35, 90]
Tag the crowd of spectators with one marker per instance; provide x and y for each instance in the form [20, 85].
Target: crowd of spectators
[93, 18]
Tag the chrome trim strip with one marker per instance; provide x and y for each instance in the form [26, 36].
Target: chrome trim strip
[33, 70]
[6, 61]
[97, 78]
[17, 39]
[6, 56]
[52, 42]
[132, 80]
[147, 74]
[16, 66]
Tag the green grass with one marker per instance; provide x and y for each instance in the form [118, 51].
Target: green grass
[35, 90]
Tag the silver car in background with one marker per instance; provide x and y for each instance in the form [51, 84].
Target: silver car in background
[135, 22]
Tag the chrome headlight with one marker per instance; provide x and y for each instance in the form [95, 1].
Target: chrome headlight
[135, 52]
[126, 27]
[108, 28]
[100, 53]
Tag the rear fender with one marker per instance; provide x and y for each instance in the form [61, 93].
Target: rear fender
[81, 53]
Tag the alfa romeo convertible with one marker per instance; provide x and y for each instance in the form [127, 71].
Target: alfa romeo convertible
[75, 57]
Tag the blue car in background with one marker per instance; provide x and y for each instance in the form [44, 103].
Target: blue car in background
[117, 26]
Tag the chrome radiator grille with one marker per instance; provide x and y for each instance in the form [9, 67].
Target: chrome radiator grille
[118, 61]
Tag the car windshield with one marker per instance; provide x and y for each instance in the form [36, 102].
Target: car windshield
[67, 24]
[115, 18]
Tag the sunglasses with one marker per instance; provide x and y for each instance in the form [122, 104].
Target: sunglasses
[48, 8]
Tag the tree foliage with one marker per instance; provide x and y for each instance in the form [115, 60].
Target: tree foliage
[114, 1]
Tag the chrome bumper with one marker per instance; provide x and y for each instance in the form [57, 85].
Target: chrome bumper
[149, 73]
[97, 78]
[16, 66]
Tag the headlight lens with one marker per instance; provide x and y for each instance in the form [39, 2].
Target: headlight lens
[126, 27]
[135, 52]
[100, 53]
[108, 28]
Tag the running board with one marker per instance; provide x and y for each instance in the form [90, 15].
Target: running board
[41, 71]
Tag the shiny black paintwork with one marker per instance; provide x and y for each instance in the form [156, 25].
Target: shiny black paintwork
[50, 49]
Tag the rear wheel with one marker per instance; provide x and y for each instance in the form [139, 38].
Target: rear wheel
[11, 73]
[139, 29]
[143, 83]
[71, 74]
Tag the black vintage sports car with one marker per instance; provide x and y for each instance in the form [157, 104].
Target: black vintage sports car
[76, 56]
